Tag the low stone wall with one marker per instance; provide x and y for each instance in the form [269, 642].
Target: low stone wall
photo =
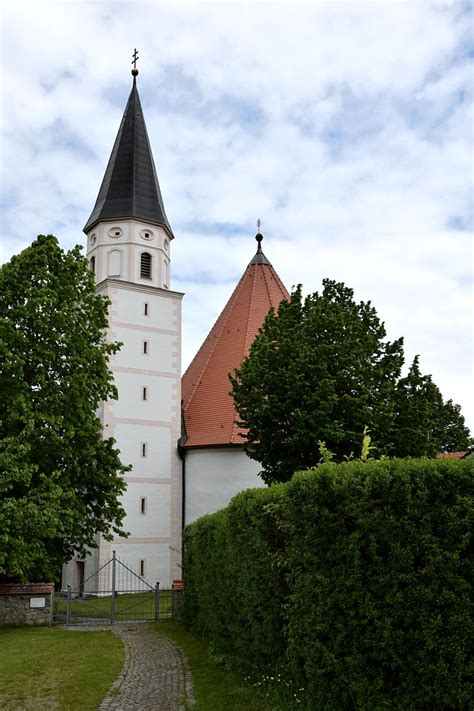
[22, 605]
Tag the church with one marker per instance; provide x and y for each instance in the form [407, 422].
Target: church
[178, 432]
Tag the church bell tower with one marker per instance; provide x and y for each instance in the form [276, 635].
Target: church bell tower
[128, 246]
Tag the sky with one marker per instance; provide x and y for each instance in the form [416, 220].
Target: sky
[346, 127]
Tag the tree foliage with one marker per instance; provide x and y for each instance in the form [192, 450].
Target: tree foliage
[321, 369]
[59, 478]
[424, 424]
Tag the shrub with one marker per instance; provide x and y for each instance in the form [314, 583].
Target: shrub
[379, 572]
[353, 580]
[234, 588]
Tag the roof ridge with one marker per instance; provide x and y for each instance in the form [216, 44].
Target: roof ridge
[249, 314]
[134, 118]
[228, 306]
[266, 285]
[280, 283]
[246, 349]
[247, 328]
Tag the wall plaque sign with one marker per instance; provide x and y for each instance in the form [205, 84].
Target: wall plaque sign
[37, 602]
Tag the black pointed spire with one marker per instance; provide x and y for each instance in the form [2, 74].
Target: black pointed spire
[130, 186]
[259, 258]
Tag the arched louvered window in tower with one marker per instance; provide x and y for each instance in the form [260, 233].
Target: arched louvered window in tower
[145, 265]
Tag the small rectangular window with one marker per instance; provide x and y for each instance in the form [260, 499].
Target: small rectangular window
[142, 568]
[144, 449]
[145, 309]
[145, 393]
[145, 347]
[143, 504]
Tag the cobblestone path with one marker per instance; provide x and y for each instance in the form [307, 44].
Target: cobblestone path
[155, 675]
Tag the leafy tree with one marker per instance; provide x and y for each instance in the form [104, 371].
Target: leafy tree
[425, 425]
[59, 479]
[319, 370]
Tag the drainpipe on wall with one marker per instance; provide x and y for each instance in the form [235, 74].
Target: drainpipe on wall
[182, 456]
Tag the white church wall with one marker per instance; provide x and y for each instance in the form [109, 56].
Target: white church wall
[156, 557]
[152, 422]
[162, 314]
[155, 519]
[114, 258]
[159, 349]
[158, 449]
[214, 476]
[87, 578]
[116, 247]
[131, 403]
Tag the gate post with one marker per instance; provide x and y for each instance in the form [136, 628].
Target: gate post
[114, 567]
[69, 605]
[157, 602]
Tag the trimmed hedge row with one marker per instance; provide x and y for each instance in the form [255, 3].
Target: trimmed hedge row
[352, 580]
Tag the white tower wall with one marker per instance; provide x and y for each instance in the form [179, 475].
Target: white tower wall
[146, 424]
[116, 247]
[145, 421]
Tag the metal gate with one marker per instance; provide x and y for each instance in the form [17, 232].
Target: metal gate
[114, 593]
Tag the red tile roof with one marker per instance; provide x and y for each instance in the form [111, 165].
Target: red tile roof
[208, 409]
[452, 455]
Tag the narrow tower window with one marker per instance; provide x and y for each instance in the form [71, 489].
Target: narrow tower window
[142, 567]
[92, 265]
[145, 265]
[144, 449]
[114, 261]
[145, 309]
[142, 509]
[145, 347]
[145, 393]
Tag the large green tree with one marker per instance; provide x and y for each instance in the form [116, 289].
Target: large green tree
[424, 424]
[60, 480]
[321, 369]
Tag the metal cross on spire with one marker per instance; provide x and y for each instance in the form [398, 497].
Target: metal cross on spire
[134, 62]
[259, 236]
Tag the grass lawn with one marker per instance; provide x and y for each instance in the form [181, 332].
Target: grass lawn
[42, 668]
[215, 689]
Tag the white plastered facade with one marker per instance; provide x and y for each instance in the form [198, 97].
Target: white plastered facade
[145, 421]
[214, 475]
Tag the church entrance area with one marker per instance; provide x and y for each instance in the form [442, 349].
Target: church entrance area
[114, 593]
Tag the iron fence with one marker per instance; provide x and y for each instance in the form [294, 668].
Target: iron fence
[114, 593]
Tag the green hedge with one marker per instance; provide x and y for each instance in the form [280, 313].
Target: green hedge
[352, 580]
[235, 592]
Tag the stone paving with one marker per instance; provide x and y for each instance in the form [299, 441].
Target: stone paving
[155, 675]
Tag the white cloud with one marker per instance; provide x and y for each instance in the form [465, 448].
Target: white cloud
[344, 126]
